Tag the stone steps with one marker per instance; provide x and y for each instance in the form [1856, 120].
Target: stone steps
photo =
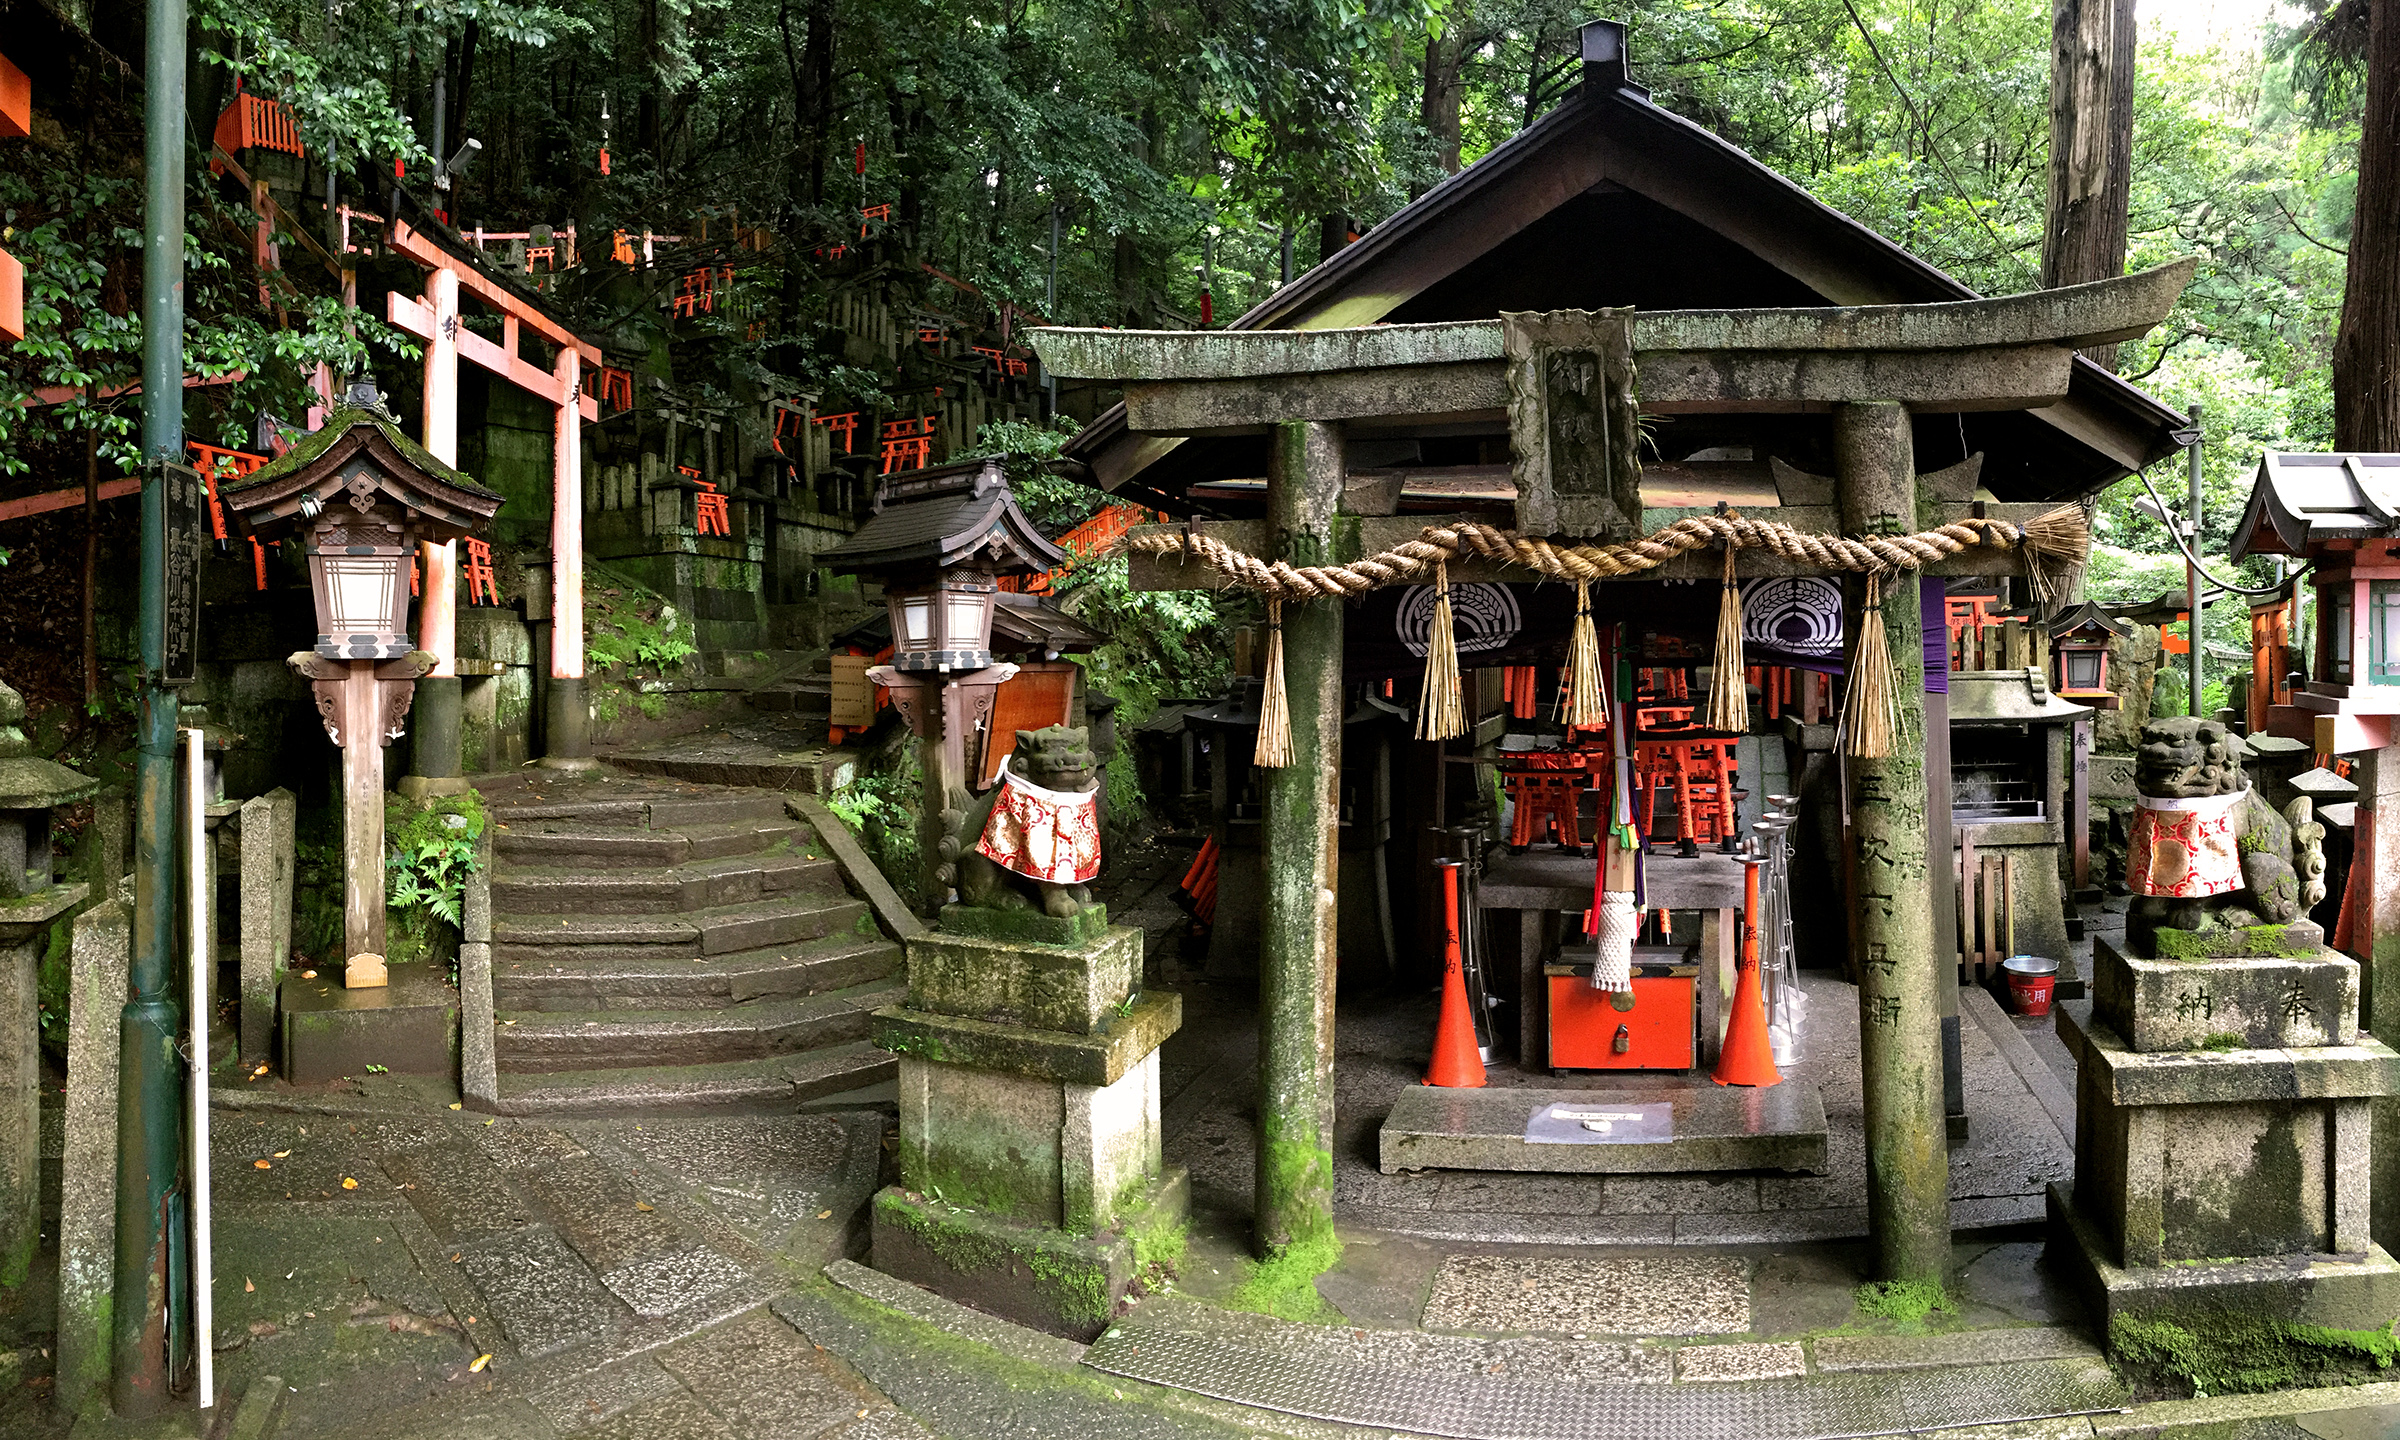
[699, 885]
[550, 1040]
[717, 930]
[773, 1085]
[643, 981]
[678, 948]
[568, 843]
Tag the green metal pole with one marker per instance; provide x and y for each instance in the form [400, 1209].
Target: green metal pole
[149, 1089]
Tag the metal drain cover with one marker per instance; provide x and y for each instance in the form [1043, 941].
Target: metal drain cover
[1513, 1407]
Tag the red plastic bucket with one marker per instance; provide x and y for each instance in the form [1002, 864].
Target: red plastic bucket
[2030, 978]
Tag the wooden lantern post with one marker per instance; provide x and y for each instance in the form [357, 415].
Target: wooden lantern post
[363, 494]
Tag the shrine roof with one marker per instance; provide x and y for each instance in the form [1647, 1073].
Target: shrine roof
[1611, 200]
[2300, 501]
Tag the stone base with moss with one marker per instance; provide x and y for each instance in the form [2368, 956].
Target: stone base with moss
[1031, 1163]
[2234, 1324]
[2295, 993]
[2217, 1180]
[1060, 1281]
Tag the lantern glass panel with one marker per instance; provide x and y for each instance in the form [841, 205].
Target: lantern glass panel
[2083, 669]
[916, 622]
[2337, 629]
[967, 622]
[359, 593]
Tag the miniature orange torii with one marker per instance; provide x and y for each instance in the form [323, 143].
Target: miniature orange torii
[435, 320]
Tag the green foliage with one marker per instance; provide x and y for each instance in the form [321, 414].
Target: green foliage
[1905, 1301]
[2221, 1040]
[881, 805]
[626, 626]
[429, 854]
[2234, 1354]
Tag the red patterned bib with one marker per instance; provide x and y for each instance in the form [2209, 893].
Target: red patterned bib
[1049, 835]
[2185, 849]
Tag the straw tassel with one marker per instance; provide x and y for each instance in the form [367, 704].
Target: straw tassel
[1441, 715]
[1583, 691]
[1728, 691]
[1274, 711]
[1871, 707]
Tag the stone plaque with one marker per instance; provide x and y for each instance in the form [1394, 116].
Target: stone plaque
[1571, 422]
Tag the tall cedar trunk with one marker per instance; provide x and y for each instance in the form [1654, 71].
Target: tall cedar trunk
[1437, 109]
[646, 110]
[820, 73]
[2366, 355]
[2091, 145]
[462, 81]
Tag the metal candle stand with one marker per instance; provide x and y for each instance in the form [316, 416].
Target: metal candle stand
[1779, 967]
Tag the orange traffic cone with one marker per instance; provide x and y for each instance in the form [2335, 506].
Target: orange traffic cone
[1457, 1062]
[1746, 1058]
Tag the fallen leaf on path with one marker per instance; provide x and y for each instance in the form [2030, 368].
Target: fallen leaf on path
[247, 1287]
[263, 1164]
[348, 1183]
[480, 1361]
[643, 1205]
[824, 1214]
[281, 1153]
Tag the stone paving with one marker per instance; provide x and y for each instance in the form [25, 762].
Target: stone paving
[391, 1269]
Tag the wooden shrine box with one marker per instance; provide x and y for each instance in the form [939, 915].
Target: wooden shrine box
[1657, 1025]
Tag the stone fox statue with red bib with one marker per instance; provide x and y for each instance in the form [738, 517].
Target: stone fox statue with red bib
[2207, 853]
[1033, 843]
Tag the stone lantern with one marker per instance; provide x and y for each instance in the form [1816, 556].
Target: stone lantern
[938, 542]
[31, 900]
[363, 495]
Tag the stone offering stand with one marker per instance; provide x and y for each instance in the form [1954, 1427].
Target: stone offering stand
[2222, 1134]
[1031, 1178]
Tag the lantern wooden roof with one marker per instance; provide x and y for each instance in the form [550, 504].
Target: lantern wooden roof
[330, 465]
[942, 517]
[2087, 616]
[2302, 501]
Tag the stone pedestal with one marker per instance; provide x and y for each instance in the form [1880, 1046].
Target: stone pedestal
[2222, 1123]
[1031, 1178]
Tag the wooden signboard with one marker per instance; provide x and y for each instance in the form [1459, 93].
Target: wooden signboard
[853, 697]
[1037, 696]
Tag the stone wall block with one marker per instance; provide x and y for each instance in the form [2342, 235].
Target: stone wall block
[2250, 1002]
[87, 1226]
[267, 878]
[1047, 987]
[2349, 1168]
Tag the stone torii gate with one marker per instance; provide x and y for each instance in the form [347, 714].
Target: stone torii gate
[1561, 386]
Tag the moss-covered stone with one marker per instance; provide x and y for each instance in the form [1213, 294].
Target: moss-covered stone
[1101, 1058]
[1033, 1274]
[2227, 1353]
[2299, 941]
[1027, 927]
[1078, 988]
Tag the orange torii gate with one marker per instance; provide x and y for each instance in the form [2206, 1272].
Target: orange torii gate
[435, 320]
